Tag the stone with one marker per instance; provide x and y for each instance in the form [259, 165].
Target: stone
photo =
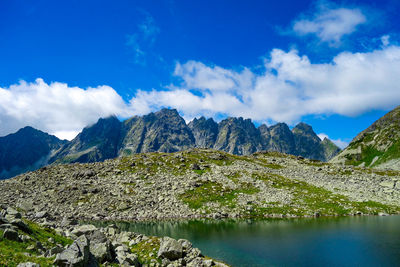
[389, 184]
[11, 235]
[26, 205]
[21, 225]
[54, 251]
[97, 237]
[41, 214]
[102, 251]
[170, 249]
[85, 229]
[28, 264]
[77, 254]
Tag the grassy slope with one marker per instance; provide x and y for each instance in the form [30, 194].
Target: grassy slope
[307, 199]
[12, 253]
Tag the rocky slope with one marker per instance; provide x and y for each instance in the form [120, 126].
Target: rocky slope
[95, 143]
[377, 146]
[41, 241]
[203, 183]
[27, 149]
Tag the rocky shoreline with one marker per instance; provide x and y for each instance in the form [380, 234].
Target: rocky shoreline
[88, 245]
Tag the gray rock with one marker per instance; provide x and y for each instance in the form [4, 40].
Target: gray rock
[11, 235]
[28, 264]
[25, 205]
[54, 251]
[41, 214]
[102, 251]
[77, 254]
[170, 249]
[86, 229]
[21, 225]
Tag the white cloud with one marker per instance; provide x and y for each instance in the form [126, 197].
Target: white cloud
[290, 87]
[330, 24]
[339, 142]
[56, 108]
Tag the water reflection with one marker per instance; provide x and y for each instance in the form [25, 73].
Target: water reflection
[351, 241]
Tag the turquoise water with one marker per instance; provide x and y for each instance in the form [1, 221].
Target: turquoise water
[349, 241]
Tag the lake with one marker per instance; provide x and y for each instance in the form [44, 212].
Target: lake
[344, 241]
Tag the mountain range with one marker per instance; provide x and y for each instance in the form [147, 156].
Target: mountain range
[162, 131]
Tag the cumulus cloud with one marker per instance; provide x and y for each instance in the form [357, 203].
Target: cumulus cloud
[330, 24]
[339, 142]
[290, 87]
[56, 108]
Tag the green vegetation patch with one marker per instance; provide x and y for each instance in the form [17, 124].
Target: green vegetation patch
[309, 199]
[215, 192]
[147, 250]
[12, 252]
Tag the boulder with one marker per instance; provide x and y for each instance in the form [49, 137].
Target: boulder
[41, 214]
[77, 254]
[86, 229]
[21, 225]
[12, 235]
[102, 251]
[170, 249]
[28, 264]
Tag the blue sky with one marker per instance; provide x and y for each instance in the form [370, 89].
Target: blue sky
[332, 64]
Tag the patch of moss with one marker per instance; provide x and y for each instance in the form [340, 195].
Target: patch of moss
[147, 250]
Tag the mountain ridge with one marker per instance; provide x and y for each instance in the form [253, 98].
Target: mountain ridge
[25, 150]
[166, 131]
[376, 146]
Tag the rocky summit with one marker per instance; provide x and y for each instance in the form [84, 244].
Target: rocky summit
[166, 131]
[377, 146]
[28, 149]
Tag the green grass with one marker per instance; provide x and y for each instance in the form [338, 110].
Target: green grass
[215, 192]
[12, 253]
[308, 199]
[147, 250]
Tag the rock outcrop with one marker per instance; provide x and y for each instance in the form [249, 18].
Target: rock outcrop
[377, 146]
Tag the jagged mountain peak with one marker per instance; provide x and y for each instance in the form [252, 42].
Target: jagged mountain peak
[167, 131]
